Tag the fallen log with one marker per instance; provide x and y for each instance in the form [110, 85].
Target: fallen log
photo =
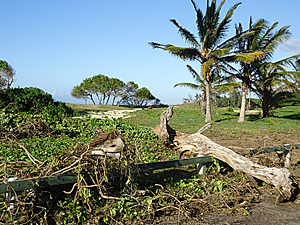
[201, 145]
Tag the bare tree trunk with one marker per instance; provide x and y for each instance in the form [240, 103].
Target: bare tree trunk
[208, 117]
[203, 103]
[249, 102]
[107, 100]
[99, 98]
[91, 97]
[243, 106]
[198, 143]
[113, 101]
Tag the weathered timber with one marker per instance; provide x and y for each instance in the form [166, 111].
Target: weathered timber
[200, 144]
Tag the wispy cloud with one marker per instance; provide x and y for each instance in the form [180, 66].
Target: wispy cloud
[292, 46]
[57, 93]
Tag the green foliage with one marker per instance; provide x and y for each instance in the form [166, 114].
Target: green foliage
[30, 100]
[234, 100]
[107, 89]
[25, 99]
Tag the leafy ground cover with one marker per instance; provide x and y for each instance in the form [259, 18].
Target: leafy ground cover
[121, 194]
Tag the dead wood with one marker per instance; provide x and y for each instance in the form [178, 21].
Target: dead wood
[200, 144]
[109, 144]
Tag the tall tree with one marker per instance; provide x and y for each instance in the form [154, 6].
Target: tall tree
[265, 39]
[274, 84]
[211, 49]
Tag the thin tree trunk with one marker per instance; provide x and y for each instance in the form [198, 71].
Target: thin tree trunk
[264, 109]
[243, 106]
[203, 104]
[249, 102]
[113, 101]
[91, 97]
[107, 100]
[99, 98]
[208, 117]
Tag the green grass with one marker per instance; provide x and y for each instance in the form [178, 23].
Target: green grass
[187, 118]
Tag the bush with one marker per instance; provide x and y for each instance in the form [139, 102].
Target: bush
[35, 101]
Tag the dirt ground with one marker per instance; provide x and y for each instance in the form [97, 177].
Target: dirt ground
[266, 211]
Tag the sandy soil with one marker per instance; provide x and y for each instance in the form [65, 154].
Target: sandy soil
[111, 114]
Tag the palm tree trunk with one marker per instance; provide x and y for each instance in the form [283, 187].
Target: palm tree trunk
[208, 117]
[264, 108]
[243, 106]
[249, 102]
[203, 104]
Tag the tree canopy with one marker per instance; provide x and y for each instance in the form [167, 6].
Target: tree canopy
[108, 89]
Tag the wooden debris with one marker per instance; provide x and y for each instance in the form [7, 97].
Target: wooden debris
[201, 145]
[109, 144]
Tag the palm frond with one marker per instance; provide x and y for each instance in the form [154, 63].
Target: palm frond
[206, 68]
[184, 33]
[189, 85]
[199, 21]
[182, 52]
[227, 87]
[195, 75]
[279, 37]
[223, 27]
[289, 61]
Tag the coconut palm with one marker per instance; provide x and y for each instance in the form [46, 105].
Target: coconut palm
[274, 84]
[264, 38]
[210, 49]
[218, 84]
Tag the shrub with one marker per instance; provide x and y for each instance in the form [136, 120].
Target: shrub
[35, 101]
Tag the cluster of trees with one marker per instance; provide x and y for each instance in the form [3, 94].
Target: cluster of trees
[112, 89]
[243, 60]
[7, 74]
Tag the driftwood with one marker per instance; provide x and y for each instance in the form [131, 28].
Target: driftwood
[200, 144]
[106, 144]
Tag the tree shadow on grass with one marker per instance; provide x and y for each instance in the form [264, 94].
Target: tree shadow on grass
[252, 117]
[223, 119]
[295, 116]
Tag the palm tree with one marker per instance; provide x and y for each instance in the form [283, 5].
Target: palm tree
[274, 84]
[263, 39]
[209, 50]
[218, 84]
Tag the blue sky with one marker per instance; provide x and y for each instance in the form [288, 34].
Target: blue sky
[55, 44]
